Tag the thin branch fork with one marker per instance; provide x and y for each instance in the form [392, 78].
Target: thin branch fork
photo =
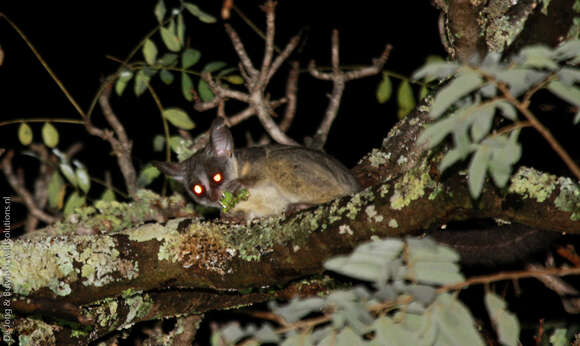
[26, 196]
[256, 83]
[122, 145]
[535, 123]
[339, 79]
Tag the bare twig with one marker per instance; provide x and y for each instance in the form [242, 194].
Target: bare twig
[514, 275]
[339, 79]
[256, 82]
[569, 294]
[121, 144]
[291, 91]
[21, 190]
[269, 8]
[522, 107]
[249, 68]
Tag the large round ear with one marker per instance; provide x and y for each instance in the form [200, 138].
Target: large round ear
[171, 169]
[221, 140]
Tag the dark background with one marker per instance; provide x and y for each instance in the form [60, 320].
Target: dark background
[76, 36]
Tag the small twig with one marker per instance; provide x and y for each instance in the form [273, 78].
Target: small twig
[269, 8]
[291, 92]
[514, 275]
[45, 65]
[339, 79]
[159, 105]
[249, 68]
[569, 294]
[538, 126]
[510, 128]
[19, 188]
[121, 146]
[282, 57]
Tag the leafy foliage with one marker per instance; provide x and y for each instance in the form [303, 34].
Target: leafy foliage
[403, 308]
[467, 106]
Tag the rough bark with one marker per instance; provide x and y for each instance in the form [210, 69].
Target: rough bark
[187, 266]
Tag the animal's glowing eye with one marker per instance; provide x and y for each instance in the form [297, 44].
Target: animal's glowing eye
[217, 178]
[197, 189]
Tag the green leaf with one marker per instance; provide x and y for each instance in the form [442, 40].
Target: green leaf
[68, 172]
[436, 70]
[437, 131]
[538, 57]
[204, 91]
[190, 57]
[49, 135]
[369, 261]
[56, 191]
[202, 16]
[147, 175]
[84, 182]
[455, 323]
[477, 170]
[178, 118]
[158, 143]
[142, 81]
[297, 308]
[577, 118]
[25, 134]
[187, 86]
[385, 89]
[483, 117]
[234, 79]
[180, 28]
[505, 323]
[568, 93]
[124, 78]
[462, 85]
[347, 337]
[166, 77]
[450, 158]
[159, 11]
[434, 273]
[74, 201]
[559, 338]
[214, 66]
[405, 99]
[170, 39]
[168, 59]
[108, 196]
[507, 110]
[149, 52]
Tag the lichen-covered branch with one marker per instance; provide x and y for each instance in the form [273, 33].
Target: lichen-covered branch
[474, 28]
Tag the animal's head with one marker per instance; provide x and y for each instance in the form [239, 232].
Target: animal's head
[206, 172]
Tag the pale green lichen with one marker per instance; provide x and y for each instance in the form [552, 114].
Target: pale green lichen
[139, 307]
[383, 190]
[357, 201]
[402, 160]
[345, 229]
[411, 187]
[378, 158]
[34, 332]
[438, 189]
[393, 223]
[372, 214]
[50, 262]
[100, 261]
[36, 264]
[568, 199]
[107, 314]
[530, 183]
